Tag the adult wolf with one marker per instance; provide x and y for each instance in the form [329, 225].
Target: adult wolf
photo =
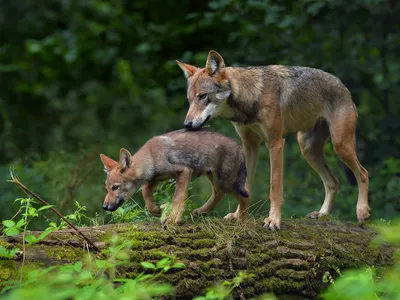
[265, 103]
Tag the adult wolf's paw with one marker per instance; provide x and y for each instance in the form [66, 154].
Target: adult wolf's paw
[315, 215]
[272, 223]
[363, 214]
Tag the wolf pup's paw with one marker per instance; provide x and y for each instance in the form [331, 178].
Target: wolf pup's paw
[272, 223]
[155, 212]
[230, 217]
[198, 212]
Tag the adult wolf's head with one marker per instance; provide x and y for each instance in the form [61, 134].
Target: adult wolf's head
[121, 182]
[208, 91]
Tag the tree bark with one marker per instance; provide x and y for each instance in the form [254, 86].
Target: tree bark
[290, 263]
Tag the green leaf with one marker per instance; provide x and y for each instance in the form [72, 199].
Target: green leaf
[166, 268]
[148, 265]
[3, 252]
[160, 289]
[20, 223]
[8, 223]
[45, 207]
[78, 266]
[11, 231]
[33, 212]
[179, 265]
[71, 217]
[33, 46]
[45, 233]
[100, 263]
[164, 261]
[31, 239]
[144, 277]
[13, 252]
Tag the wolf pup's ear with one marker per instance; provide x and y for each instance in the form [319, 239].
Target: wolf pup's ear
[214, 63]
[124, 159]
[108, 163]
[188, 70]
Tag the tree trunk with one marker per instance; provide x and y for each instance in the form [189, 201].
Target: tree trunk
[290, 263]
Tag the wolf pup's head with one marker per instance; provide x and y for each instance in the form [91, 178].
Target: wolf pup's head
[121, 182]
[208, 91]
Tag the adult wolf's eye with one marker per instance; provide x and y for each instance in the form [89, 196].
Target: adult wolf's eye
[203, 96]
[115, 187]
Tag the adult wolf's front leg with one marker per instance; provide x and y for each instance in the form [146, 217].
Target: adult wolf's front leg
[273, 221]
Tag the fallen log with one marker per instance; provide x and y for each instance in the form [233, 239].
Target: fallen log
[289, 263]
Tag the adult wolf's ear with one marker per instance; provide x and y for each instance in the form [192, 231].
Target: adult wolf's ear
[223, 95]
[214, 63]
[188, 70]
[108, 163]
[124, 159]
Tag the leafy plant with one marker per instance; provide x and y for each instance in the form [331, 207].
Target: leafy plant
[225, 289]
[364, 283]
[94, 279]
[6, 253]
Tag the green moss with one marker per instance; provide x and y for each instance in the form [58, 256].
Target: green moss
[8, 270]
[63, 253]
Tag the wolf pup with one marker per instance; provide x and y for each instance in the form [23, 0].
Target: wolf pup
[266, 103]
[179, 154]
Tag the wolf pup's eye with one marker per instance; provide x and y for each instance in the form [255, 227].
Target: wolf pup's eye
[203, 96]
[115, 187]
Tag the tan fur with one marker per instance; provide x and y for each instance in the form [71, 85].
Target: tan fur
[180, 155]
[265, 103]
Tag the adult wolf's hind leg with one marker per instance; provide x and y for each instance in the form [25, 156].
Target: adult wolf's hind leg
[343, 125]
[312, 145]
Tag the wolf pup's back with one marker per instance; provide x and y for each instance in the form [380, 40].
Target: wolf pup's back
[211, 153]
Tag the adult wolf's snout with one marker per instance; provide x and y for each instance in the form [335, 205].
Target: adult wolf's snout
[188, 124]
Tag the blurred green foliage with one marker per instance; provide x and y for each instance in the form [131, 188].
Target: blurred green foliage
[366, 283]
[82, 77]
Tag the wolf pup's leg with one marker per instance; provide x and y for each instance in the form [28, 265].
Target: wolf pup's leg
[251, 144]
[180, 196]
[216, 196]
[242, 211]
[147, 192]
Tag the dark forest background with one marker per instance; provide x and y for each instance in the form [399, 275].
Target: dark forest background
[78, 78]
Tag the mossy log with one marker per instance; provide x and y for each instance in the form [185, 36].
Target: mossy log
[290, 263]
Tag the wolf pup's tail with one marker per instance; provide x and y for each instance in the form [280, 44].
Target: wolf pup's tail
[241, 181]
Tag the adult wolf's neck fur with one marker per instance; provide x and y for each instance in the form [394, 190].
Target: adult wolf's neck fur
[247, 86]
[246, 83]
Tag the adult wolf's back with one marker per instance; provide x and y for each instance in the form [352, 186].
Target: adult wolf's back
[266, 102]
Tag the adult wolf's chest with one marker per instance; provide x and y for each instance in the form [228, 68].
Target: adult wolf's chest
[243, 112]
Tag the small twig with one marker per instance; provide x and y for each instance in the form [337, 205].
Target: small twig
[13, 217]
[15, 180]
